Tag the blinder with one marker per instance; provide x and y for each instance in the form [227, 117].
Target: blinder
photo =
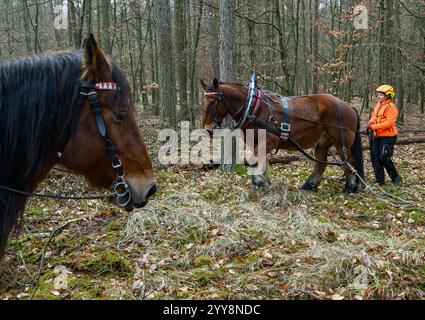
[88, 91]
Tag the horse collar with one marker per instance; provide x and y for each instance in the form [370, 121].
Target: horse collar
[253, 104]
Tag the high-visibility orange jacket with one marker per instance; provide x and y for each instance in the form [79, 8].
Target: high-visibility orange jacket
[383, 119]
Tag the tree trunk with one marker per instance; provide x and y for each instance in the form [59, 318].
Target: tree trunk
[89, 16]
[105, 25]
[228, 41]
[72, 23]
[180, 36]
[26, 28]
[227, 60]
[192, 75]
[422, 75]
[79, 34]
[399, 64]
[213, 41]
[154, 64]
[294, 87]
[315, 47]
[304, 47]
[280, 23]
[166, 63]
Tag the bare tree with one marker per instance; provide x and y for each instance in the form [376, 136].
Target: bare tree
[181, 62]
[227, 59]
[213, 40]
[166, 63]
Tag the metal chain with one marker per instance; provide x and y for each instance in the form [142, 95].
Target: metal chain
[368, 188]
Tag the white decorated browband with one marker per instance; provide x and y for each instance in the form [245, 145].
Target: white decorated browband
[210, 93]
[106, 86]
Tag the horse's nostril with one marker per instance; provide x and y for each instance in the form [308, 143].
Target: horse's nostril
[151, 190]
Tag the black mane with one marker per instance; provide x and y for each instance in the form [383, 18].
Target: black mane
[38, 108]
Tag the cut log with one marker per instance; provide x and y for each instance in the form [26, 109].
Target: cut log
[401, 141]
[298, 156]
[366, 146]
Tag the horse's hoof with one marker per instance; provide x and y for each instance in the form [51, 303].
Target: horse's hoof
[309, 186]
[351, 188]
[260, 185]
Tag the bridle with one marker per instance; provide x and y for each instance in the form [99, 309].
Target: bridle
[119, 188]
[88, 91]
[220, 98]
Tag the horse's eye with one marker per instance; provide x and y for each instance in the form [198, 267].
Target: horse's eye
[119, 116]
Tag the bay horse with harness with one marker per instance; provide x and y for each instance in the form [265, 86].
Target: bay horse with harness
[72, 108]
[317, 121]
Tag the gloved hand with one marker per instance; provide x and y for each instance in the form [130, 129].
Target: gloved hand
[364, 128]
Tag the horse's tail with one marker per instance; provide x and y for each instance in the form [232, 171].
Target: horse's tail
[357, 151]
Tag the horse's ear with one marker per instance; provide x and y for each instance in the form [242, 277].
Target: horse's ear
[203, 84]
[215, 84]
[96, 63]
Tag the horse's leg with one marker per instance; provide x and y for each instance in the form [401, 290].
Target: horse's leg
[320, 153]
[351, 185]
[260, 180]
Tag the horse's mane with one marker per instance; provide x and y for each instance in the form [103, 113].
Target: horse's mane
[234, 84]
[38, 98]
[38, 108]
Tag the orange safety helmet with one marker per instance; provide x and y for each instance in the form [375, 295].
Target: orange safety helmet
[387, 90]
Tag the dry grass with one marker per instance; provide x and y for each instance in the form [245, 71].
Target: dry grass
[271, 247]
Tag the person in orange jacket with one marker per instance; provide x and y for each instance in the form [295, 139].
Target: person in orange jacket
[383, 135]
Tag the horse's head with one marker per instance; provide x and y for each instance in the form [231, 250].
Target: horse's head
[86, 151]
[215, 106]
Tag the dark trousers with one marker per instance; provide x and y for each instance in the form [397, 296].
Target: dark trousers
[381, 152]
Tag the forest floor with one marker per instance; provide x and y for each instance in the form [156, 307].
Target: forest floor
[209, 235]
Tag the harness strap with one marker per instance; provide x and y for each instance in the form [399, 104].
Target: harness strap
[277, 132]
[285, 126]
[341, 131]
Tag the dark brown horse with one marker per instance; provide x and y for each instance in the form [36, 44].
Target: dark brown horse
[318, 121]
[73, 108]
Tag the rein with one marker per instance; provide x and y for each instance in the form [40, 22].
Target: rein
[119, 187]
[49, 196]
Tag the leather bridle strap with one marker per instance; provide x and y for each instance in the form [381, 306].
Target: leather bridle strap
[120, 188]
[88, 91]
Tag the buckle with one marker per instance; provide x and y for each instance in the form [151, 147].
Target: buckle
[116, 165]
[285, 127]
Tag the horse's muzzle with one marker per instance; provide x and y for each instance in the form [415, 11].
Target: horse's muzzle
[150, 191]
